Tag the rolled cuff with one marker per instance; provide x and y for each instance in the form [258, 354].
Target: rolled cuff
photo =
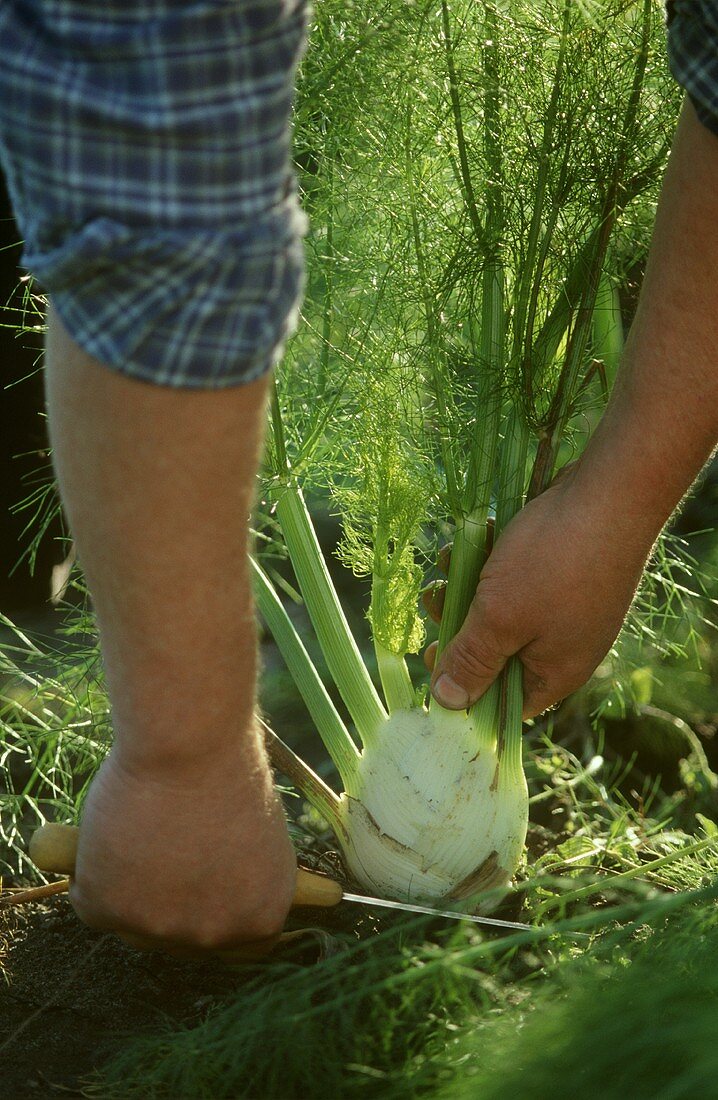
[180, 308]
[146, 145]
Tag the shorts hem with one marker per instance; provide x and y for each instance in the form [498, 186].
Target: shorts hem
[139, 372]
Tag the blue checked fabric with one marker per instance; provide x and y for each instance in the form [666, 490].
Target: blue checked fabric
[693, 54]
[146, 145]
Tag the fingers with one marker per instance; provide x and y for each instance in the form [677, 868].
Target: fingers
[430, 655]
[468, 666]
[494, 630]
[471, 661]
[547, 685]
[540, 693]
[432, 599]
[149, 924]
[247, 950]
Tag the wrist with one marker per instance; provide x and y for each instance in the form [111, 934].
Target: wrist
[627, 478]
[196, 762]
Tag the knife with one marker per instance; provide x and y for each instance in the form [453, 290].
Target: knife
[53, 848]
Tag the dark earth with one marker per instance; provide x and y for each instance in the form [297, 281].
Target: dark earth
[72, 996]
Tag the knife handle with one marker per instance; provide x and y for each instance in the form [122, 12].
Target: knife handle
[53, 848]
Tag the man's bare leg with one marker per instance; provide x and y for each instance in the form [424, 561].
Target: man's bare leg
[183, 839]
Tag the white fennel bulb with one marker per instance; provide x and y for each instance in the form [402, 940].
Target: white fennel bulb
[433, 817]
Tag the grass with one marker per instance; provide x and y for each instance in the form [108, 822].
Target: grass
[54, 730]
[637, 1019]
[405, 1014]
[419, 1009]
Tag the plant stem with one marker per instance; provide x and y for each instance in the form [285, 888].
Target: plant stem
[625, 876]
[527, 276]
[395, 679]
[469, 549]
[468, 554]
[593, 258]
[324, 714]
[512, 472]
[328, 268]
[485, 715]
[510, 720]
[467, 184]
[278, 430]
[512, 469]
[315, 790]
[338, 646]
[439, 378]
[607, 341]
[336, 640]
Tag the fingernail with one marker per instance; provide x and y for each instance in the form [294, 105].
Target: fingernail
[447, 692]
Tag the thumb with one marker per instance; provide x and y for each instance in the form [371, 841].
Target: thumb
[470, 663]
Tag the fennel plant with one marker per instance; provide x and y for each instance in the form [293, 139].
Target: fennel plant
[467, 168]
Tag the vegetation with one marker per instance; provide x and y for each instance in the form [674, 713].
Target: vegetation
[480, 181]
[423, 1010]
[461, 317]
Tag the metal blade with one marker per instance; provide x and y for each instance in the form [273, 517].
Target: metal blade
[403, 907]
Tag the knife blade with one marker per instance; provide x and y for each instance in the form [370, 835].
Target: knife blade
[449, 914]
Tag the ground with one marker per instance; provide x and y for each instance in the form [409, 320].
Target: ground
[72, 994]
[72, 997]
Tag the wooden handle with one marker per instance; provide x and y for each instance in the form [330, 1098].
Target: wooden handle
[314, 889]
[54, 848]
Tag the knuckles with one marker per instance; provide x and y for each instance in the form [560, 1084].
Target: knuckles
[472, 659]
[548, 687]
[479, 651]
[152, 927]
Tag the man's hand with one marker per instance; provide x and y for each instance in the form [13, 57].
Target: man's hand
[196, 861]
[555, 591]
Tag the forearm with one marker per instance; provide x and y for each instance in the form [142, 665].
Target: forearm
[662, 421]
[183, 838]
[158, 486]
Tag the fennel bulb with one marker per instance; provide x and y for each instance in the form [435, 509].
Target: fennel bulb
[431, 817]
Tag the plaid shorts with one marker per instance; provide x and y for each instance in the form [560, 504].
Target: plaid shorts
[146, 145]
[693, 54]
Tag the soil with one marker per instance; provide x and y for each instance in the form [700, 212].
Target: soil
[71, 996]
